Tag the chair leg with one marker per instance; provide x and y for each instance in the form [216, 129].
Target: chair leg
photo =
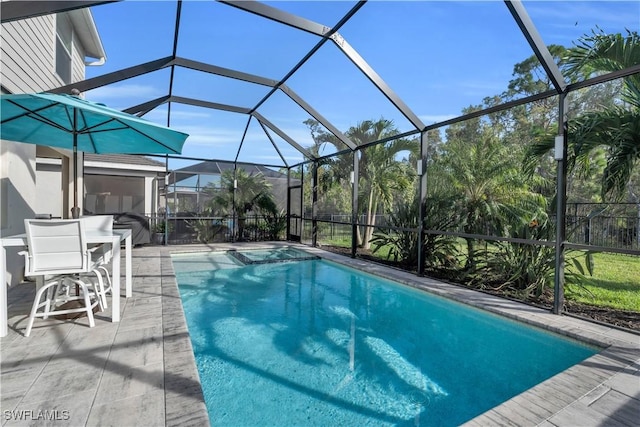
[36, 305]
[99, 288]
[108, 277]
[106, 288]
[87, 300]
[69, 282]
[87, 303]
[51, 294]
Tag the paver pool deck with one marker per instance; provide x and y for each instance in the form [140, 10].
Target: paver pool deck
[141, 371]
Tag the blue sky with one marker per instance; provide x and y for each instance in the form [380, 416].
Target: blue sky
[438, 56]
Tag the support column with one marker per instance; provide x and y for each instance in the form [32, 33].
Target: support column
[422, 176]
[66, 187]
[314, 205]
[354, 205]
[165, 240]
[302, 202]
[234, 213]
[561, 204]
[288, 232]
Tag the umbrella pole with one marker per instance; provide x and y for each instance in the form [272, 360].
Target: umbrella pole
[75, 210]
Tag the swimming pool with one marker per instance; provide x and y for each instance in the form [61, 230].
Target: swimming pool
[316, 343]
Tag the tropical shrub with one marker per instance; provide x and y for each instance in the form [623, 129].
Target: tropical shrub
[401, 241]
[276, 224]
[526, 270]
[269, 227]
[163, 226]
[206, 229]
[241, 194]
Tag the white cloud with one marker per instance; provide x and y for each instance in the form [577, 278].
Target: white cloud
[481, 89]
[301, 136]
[160, 115]
[436, 118]
[210, 136]
[223, 142]
[124, 91]
[271, 159]
[190, 115]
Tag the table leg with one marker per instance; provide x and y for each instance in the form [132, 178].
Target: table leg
[115, 283]
[128, 284]
[4, 329]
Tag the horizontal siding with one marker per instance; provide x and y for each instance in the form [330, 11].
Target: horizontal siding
[40, 37]
[77, 62]
[28, 56]
[23, 70]
[37, 35]
[10, 78]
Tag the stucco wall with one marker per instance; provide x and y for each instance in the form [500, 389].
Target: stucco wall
[49, 189]
[18, 195]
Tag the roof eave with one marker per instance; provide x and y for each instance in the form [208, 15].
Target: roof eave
[85, 28]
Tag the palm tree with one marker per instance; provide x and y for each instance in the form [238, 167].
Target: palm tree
[333, 172]
[615, 129]
[252, 193]
[381, 175]
[494, 194]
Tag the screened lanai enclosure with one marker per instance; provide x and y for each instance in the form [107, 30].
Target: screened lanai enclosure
[494, 144]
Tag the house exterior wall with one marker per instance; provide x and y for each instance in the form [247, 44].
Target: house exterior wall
[28, 55]
[150, 205]
[49, 188]
[17, 198]
[27, 65]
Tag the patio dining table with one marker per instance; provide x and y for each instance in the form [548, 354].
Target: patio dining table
[115, 238]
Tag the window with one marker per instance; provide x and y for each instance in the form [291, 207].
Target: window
[64, 40]
[107, 194]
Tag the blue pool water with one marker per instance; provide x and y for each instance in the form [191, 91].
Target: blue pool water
[315, 343]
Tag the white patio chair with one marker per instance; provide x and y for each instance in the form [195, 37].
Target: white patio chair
[101, 256]
[57, 253]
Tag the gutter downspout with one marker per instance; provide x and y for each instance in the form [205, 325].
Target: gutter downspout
[100, 61]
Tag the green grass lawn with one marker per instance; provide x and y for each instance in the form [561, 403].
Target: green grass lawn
[615, 283]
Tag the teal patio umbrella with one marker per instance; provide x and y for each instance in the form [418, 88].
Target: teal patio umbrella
[67, 121]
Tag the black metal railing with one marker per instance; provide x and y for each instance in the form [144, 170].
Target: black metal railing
[185, 228]
[616, 232]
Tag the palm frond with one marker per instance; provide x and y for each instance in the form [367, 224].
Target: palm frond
[605, 53]
[618, 131]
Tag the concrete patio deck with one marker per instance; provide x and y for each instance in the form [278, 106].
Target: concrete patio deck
[141, 370]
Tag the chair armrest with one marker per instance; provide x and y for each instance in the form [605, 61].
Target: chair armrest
[27, 262]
